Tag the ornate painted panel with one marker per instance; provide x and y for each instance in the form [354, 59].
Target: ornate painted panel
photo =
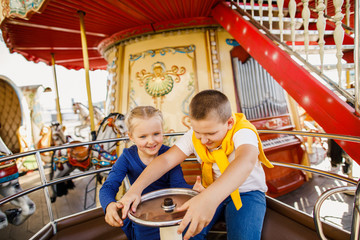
[166, 79]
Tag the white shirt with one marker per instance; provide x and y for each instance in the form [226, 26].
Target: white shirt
[256, 180]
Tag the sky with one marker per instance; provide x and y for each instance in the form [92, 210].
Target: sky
[71, 83]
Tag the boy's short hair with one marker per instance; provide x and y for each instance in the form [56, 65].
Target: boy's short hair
[210, 102]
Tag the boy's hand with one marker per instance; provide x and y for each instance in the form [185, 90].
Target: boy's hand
[198, 186]
[129, 199]
[112, 217]
[200, 212]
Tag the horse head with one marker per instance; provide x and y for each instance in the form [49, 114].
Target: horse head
[57, 134]
[112, 126]
[76, 107]
[9, 185]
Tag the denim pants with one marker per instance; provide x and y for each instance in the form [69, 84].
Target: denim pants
[245, 224]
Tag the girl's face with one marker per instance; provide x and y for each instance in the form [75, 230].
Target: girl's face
[147, 134]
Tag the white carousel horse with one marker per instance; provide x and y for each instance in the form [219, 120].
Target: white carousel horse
[84, 157]
[9, 185]
[84, 116]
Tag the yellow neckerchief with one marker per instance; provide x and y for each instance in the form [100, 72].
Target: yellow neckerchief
[220, 155]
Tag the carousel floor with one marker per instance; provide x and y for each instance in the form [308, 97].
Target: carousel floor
[336, 210]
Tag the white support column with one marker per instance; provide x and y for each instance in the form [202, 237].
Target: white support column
[347, 13]
[320, 24]
[292, 11]
[280, 4]
[260, 2]
[338, 35]
[270, 14]
[305, 16]
[252, 8]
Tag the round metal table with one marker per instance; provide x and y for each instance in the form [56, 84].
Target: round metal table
[158, 209]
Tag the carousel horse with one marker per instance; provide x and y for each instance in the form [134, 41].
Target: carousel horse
[45, 140]
[83, 157]
[84, 117]
[9, 185]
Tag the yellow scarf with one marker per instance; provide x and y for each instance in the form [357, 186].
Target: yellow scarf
[220, 156]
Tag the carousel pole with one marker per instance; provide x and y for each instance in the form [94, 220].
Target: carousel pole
[86, 66]
[58, 110]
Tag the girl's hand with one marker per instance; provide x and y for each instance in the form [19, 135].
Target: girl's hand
[198, 186]
[112, 217]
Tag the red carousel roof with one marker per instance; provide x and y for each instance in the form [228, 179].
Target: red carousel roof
[55, 28]
[52, 26]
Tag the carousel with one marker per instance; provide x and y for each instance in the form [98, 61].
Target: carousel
[272, 60]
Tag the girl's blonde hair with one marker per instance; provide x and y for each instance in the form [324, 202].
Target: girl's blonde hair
[143, 112]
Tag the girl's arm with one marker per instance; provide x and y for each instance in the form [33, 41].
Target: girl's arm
[157, 167]
[200, 214]
[111, 186]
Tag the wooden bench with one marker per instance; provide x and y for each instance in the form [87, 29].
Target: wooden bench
[191, 169]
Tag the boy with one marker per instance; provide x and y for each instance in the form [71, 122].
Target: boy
[230, 141]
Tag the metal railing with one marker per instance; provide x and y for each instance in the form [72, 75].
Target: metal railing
[45, 183]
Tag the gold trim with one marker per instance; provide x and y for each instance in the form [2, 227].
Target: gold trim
[208, 58]
[120, 80]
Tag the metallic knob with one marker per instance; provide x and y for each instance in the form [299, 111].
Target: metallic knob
[168, 205]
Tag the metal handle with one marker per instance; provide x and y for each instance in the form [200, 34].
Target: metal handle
[319, 203]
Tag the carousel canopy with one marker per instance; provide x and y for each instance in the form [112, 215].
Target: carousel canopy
[38, 28]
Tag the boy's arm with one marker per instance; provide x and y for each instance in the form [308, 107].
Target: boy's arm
[200, 214]
[157, 167]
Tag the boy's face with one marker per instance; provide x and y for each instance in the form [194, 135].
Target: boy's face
[211, 131]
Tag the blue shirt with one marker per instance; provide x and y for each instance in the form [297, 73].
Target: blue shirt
[129, 163]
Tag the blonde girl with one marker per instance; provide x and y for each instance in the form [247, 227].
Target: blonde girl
[145, 130]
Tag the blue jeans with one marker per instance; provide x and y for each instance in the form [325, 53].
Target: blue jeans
[245, 224]
[134, 231]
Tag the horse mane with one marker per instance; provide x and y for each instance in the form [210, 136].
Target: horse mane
[119, 116]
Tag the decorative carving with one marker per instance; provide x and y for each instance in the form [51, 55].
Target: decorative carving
[215, 62]
[162, 52]
[21, 9]
[111, 84]
[159, 81]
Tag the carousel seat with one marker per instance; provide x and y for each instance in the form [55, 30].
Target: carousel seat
[283, 222]
[79, 153]
[87, 225]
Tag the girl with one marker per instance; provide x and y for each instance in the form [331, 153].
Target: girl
[145, 129]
